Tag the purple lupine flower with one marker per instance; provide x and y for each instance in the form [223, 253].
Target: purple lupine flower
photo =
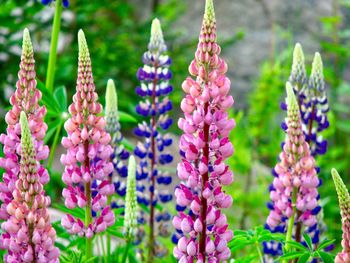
[25, 98]
[344, 204]
[152, 151]
[47, 2]
[87, 141]
[119, 154]
[311, 97]
[201, 226]
[295, 180]
[28, 234]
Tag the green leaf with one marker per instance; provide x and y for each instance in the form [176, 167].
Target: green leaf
[60, 95]
[304, 258]
[325, 244]
[291, 255]
[126, 117]
[308, 241]
[77, 212]
[297, 246]
[47, 98]
[326, 258]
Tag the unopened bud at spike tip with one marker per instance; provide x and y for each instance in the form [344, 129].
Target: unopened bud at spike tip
[291, 99]
[111, 98]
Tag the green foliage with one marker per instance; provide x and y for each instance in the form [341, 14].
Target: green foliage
[251, 240]
[304, 254]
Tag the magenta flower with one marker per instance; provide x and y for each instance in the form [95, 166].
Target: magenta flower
[87, 164]
[29, 236]
[25, 98]
[294, 189]
[202, 228]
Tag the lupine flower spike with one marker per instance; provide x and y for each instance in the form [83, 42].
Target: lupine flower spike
[312, 101]
[130, 218]
[119, 153]
[314, 108]
[29, 234]
[152, 151]
[294, 192]
[87, 165]
[201, 226]
[25, 98]
[344, 204]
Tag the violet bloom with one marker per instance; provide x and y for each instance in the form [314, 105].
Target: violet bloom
[294, 189]
[119, 154]
[344, 204]
[152, 150]
[25, 98]
[201, 226]
[47, 2]
[28, 235]
[87, 141]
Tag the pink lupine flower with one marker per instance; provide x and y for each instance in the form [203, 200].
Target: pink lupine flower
[296, 178]
[344, 204]
[25, 98]
[87, 158]
[29, 236]
[204, 147]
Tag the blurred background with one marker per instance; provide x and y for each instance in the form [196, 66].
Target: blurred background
[257, 39]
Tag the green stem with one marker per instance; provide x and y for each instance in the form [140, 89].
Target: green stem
[125, 256]
[53, 146]
[50, 77]
[257, 245]
[108, 238]
[291, 220]
[103, 246]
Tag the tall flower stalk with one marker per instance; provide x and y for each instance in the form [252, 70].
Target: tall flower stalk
[25, 98]
[313, 105]
[56, 26]
[155, 88]
[119, 154]
[130, 218]
[29, 236]
[87, 161]
[294, 192]
[344, 204]
[204, 146]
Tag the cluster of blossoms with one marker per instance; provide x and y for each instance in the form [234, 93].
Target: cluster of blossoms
[294, 188]
[119, 154]
[87, 165]
[155, 88]
[25, 98]
[344, 204]
[201, 228]
[47, 2]
[29, 236]
[312, 101]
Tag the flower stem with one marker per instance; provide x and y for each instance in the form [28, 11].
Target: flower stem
[50, 77]
[153, 163]
[205, 178]
[261, 258]
[53, 146]
[291, 220]
[88, 215]
[125, 256]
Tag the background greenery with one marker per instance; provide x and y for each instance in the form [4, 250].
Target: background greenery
[117, 37]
